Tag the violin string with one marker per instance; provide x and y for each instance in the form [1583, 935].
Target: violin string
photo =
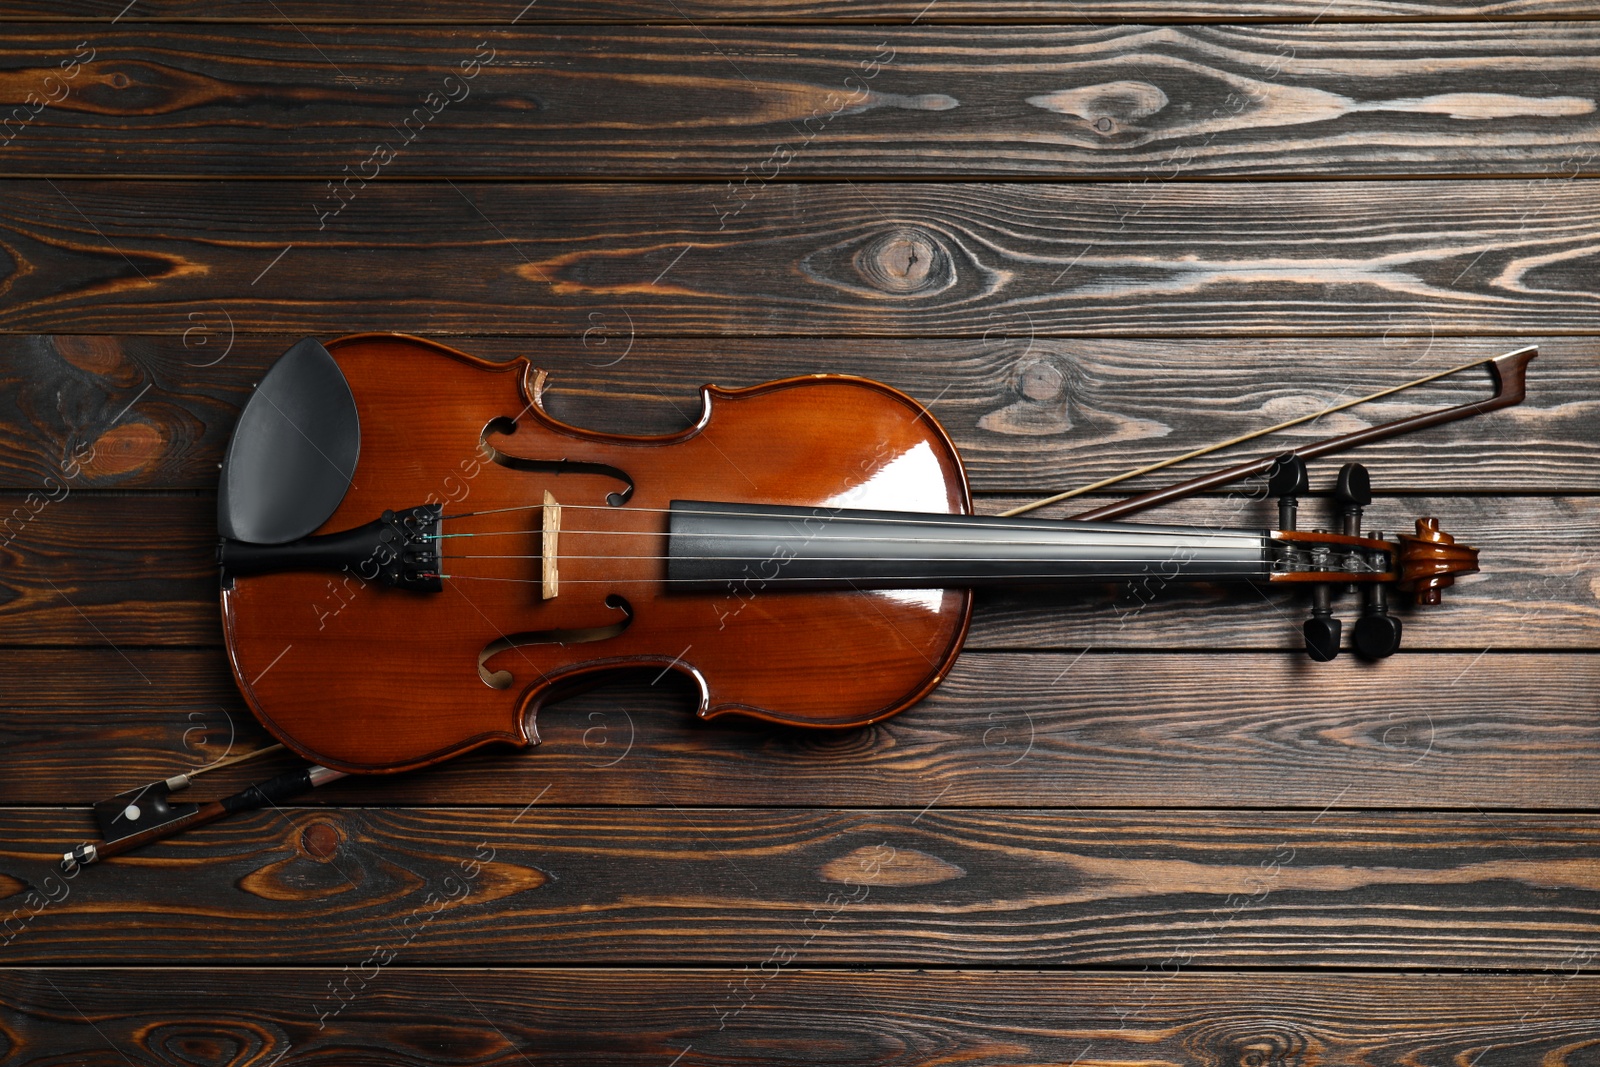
[1143, 563]
[1266, 542]
[564, 557]
[985, 522]
[1078, 534]
[1105, 540]
[934, 580]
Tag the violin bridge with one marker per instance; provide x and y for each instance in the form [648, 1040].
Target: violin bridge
[550, 583]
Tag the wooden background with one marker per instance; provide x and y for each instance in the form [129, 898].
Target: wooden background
[1088, 236]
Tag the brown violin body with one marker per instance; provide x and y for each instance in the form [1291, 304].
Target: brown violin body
[364, 678]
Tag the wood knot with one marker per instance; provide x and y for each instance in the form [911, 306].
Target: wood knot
[1041, 380]
[905, 260]
[885, 865]
[1043, 387]
[208, 1041]
[1105, 107]
[321, 841]
[1238, 1043]
[124, 449]
[97, 355]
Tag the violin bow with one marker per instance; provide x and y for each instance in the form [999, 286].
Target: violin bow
[140, 816]
[1508, 371]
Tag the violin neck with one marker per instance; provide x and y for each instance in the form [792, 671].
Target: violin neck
[713, 544]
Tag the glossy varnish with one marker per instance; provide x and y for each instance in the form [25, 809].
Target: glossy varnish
[361, 677]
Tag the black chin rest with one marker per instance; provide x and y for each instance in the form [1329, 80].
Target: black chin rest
[293, 452]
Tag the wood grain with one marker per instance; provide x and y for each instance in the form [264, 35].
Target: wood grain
[1465, 730]
[1150, 103]
[1029, 414]
[1423, 258]
[1085, 244]
[948, 888]
[444, 12]
[120, 570]
[786, 1015]
[98, 570]
[84, 412]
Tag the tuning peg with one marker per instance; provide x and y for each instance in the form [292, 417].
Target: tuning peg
[1286, 480]
[1322, 630]
[1376, 636]
[1377, 633]
[1322, 637]
[1353, 491]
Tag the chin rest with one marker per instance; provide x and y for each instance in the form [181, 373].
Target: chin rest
[293, 453]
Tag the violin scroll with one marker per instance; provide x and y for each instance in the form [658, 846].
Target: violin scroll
[1422, 564]
[1430, 559]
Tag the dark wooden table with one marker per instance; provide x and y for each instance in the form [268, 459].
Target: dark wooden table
[1088, 236]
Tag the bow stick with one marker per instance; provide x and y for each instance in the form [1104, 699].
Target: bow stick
[1509, 372]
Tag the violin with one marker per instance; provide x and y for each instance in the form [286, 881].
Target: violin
[416, 556]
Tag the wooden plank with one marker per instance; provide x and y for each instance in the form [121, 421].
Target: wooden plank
[641, 886]
[1460, 730]
[1029, 414]
[116, 570]
[757, 103]
[1029, 316]
[774, 1013]
[311, 12]
[1135, 259]
[98, 570]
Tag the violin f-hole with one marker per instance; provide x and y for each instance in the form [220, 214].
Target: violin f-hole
[557, 636]
[507, 427]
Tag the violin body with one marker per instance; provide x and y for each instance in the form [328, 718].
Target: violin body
[361, 677]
